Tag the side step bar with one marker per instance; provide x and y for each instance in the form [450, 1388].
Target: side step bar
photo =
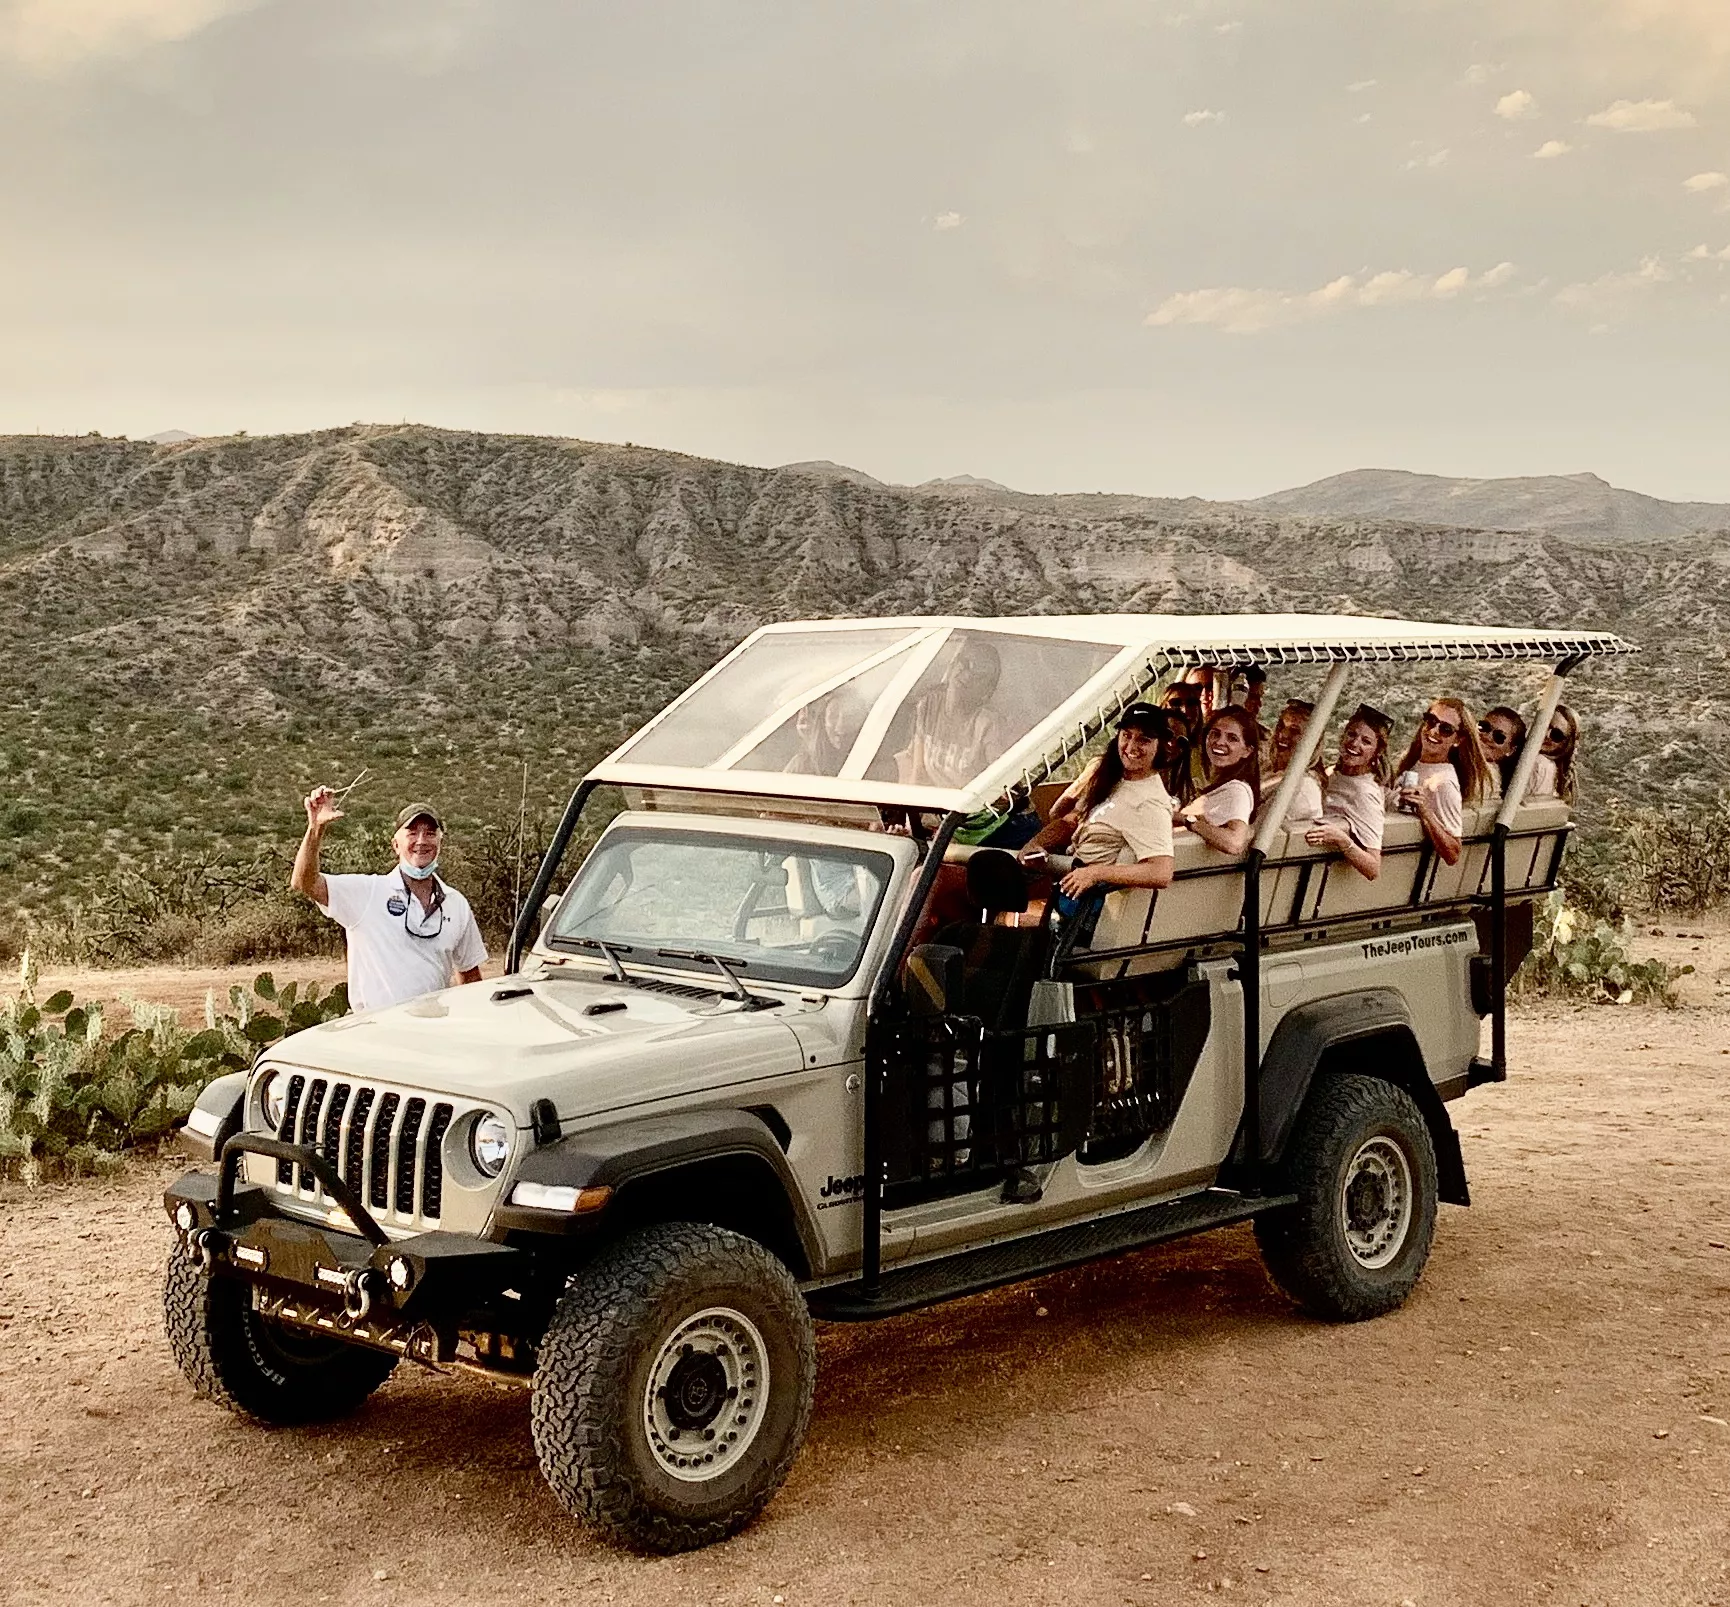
[991, 1266]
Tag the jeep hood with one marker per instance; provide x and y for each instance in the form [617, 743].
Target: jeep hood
[588, 1044]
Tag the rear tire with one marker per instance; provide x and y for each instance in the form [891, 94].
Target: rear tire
[1364, 1170]
[258, 1368]
[674, 1386]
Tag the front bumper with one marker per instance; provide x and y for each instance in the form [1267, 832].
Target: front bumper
[412, 1295]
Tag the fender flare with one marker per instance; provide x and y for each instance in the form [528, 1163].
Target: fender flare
[626, 1154]
[1374, 1030]
[218, 1111]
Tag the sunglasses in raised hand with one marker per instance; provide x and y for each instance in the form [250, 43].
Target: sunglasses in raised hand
[1442, 728]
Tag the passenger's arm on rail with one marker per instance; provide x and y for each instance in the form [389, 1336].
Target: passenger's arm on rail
[1367, 862]
[1155, 872]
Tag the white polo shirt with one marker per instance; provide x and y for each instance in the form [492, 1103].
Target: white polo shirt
[387, 961]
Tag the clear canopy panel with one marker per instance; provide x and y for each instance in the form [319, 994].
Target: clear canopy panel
[768, 674]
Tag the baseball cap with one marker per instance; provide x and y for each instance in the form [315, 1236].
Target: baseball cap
[1144, 717]
[410, 813]
[1373, 718]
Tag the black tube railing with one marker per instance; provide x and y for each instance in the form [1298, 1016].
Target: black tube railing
[1249, 981]
[876, 1062]
[522, 932]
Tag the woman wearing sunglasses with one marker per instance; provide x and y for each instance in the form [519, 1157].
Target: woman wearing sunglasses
[1502, 734]
[1442, 772]
[1553, 774]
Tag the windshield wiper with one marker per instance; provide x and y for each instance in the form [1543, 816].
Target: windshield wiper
[610, 952]
[740, 992]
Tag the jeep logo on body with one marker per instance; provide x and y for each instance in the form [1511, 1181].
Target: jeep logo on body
[841, 1190]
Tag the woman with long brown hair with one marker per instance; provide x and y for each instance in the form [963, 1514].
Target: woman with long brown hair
[1221, 812]
[1116, 818]
[1442, 772]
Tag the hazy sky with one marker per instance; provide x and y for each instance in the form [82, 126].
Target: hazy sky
[1196, 247]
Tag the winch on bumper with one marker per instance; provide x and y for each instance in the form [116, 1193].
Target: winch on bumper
[409, 1295]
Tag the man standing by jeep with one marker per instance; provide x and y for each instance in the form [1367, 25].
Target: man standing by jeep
[408, 932]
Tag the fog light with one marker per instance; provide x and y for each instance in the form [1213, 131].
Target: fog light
[185, 1218]
[400, 1273]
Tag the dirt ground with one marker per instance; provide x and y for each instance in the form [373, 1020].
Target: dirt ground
[1548, 1420]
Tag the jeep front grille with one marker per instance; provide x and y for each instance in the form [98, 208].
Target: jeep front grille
[386, 1144]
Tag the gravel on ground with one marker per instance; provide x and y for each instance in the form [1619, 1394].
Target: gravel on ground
[1547, 1420]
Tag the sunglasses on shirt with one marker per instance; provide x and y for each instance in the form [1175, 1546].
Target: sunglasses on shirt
[1441, 727]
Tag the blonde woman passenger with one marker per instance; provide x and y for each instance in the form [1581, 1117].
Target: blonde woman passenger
[1443, 770]
[1221, 812]
[1354, 804]
[1553, 773]
[1288, 730]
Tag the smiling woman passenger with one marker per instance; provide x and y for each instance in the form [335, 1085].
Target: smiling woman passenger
[1220, 813]
[1352, 806]
[1442, 772]
[1116, 817]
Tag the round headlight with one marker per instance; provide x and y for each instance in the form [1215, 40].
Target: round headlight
[271, 1094]
[490, 1144]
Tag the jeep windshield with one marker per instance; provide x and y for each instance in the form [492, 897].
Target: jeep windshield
[772, 910]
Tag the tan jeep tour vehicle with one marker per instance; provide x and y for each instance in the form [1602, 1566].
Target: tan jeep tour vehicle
[794, 1042]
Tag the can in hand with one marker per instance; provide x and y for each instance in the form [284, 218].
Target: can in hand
[1408, 783]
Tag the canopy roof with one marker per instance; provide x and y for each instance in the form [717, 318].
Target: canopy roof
[947, 712]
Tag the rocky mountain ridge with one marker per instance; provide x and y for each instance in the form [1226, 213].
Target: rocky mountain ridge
[522, 596]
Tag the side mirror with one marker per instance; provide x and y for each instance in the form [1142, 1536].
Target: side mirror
[933, 979]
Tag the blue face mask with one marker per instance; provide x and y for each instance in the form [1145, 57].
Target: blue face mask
[419, 873]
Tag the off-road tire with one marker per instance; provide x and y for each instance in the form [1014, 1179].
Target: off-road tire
[255, 1367]
[1353, 1132]
[617, 1329]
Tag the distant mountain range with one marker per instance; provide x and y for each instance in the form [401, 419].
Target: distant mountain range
[1568, 504]
[195, 632]
[1580, 505]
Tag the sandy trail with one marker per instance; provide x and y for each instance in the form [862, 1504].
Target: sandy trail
[1548, 1420]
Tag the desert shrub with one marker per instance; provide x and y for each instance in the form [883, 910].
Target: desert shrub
[494, 865]
[73, 1095]
[1678, 858]
[1579, 956]
[272, 929]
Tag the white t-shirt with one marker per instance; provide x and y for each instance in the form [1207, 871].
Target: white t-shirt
[1221, 805]
[1543, 782]
[1306, 802]
[1358, 804]
[386, 962]
[1137, 817]
[1442, 783]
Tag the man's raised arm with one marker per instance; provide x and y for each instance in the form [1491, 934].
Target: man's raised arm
[306, 877]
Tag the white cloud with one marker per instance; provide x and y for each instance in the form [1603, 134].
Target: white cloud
[948, 220]
[1478, 73]
[49, 35]
[1517, 105]
[1702, 182]
[1235, 310]
[1551, 148]
[1641, 116]
[1196, 119]
[1228, 27]
[1360, 86]
[1434, 159]
[1611, 292]
[1704, 253]
[1363, 117]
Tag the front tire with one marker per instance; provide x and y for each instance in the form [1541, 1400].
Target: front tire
[1364, 1170]
[674, 1386]
[255, 1367]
